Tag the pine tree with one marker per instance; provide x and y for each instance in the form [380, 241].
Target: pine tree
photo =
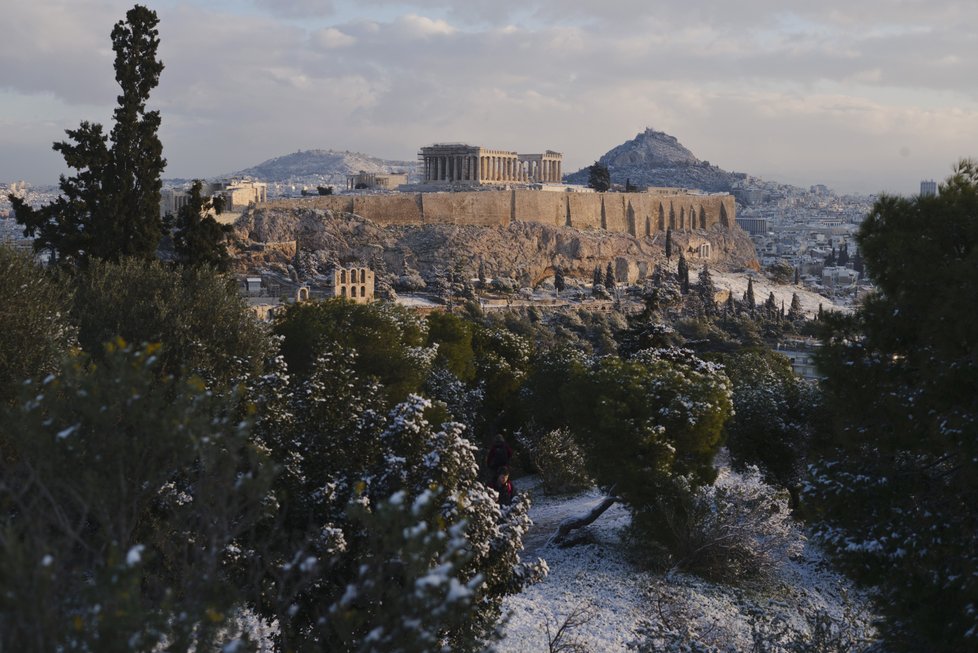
[482, 274]
[598, 177]
[110, 208]
[668, 243]
[831, 259]
[597, 279]
[609, 277]
[198, 238]
[682, 274]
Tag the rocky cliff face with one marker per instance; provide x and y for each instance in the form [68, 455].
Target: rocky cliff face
[657, 159]
[527, 252]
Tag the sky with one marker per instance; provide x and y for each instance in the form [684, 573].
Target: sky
[861, 95]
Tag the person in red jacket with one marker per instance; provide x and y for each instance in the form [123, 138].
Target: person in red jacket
[504, 487]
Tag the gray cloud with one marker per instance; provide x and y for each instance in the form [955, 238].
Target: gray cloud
[800, 90]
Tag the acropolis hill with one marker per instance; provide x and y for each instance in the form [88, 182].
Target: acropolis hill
[509, 214]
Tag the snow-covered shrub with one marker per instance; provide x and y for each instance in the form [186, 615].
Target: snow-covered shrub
[558, 458]
[738, 528]
[371, 504]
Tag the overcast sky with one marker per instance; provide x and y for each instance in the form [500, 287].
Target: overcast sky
[862, 95]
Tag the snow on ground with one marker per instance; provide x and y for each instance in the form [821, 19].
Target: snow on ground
[593, 576]
[597, 577]
[737, 283]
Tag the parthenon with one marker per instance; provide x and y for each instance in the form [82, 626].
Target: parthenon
[451, 163]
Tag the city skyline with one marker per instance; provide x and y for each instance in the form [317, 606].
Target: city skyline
[861, 98]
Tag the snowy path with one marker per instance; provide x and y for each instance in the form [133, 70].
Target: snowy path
[595, 577]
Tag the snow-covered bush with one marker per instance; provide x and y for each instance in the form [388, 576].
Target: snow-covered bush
[738, 528]
[371, 504]
[558, 458]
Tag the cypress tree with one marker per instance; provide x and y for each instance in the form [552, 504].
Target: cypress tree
[609, 277]
[559, 282]
[749, 296]
[682, 272]
[597, 281]
[795, 311]
[110, 209]
[668, 243]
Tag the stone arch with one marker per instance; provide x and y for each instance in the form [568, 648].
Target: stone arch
[705, 250]
[724, 220]
[662, 218]
[548, 271]
[702, 217]
[342, 276]
[343, 291]
[353, 292]
[302, 294]
[363, 276]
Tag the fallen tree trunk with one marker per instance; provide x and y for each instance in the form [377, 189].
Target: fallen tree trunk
[573, 523]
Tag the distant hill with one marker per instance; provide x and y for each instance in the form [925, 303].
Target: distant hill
[323, 166]
[657, 159]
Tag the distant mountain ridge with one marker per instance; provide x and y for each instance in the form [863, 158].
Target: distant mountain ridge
[654, 158]
[323, 166]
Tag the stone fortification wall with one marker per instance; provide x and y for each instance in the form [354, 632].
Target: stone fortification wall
[549, 208]
[401, 209]
[479, 209]
[638, 214]
[585, 210]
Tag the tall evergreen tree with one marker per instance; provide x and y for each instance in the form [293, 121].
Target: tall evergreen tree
[198, 238]
[843, 258]
[795, 312]
[597, 278]
[609, 277]
[897, 490]
[682, 274]
[668, 243]
[770, 306]
[559, 282]
[749, 301]
[598, 177]
[707, 291]
[110, 208]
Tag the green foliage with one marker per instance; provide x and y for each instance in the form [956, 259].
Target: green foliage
[559, 460]
[121, 499]
[502, 362]
[453, 336]
[641, 422]
[198, 238]
[389, 341]
[773, 414]
[781, 271]
[110, 208]
[383, 526]
[34, 331]
[598, 177]
[668, 244]
[609, 276]
[198, 314]
[682, 274]
[897, 491]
